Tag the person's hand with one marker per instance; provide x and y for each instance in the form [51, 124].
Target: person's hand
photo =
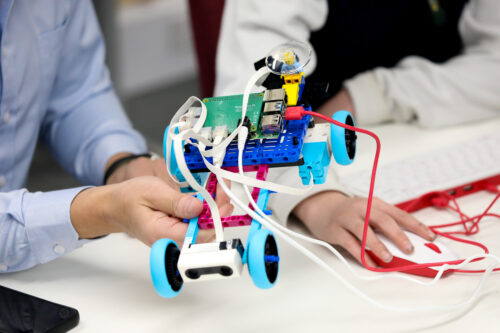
[145, 207]
[341, 101]
[338, 219]
[143, 166]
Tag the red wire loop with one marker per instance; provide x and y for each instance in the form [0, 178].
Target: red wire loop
[439, 199]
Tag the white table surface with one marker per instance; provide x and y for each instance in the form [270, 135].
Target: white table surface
[108, 280]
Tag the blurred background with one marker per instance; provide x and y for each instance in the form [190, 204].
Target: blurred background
[151, 57]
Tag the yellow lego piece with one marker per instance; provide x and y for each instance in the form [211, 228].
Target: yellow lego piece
[292, 92]
[289, 57]
[293, 78]
[292, 88]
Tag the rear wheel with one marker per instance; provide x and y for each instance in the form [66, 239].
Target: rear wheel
[263, 259]
[163, 266]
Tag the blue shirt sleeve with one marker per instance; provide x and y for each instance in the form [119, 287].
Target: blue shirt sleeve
[35, 227]
[85, 124]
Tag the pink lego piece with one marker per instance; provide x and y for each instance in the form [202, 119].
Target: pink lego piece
[205, 220]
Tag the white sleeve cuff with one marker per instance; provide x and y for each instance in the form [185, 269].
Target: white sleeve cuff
[370, 105]
[282, 205]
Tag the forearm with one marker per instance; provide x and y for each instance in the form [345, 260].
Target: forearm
[283, 205]
[85, 124]
[86, 150]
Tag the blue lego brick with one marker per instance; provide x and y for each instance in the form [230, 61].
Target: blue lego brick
[263, 151]
[193, 228]
[316, 162]
[200, 177]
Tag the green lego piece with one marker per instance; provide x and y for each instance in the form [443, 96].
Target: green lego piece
[226, 111]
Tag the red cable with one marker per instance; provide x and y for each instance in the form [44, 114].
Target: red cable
[468, 231]
[463, 217]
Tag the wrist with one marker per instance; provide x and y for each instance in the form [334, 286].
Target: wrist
[91, 212]
[341, 101]
[310, 206]
[118, 161]
[115, 158]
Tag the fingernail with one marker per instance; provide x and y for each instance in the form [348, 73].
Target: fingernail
[189, 206]
[408, 247]
[386, 256]
[432, 235]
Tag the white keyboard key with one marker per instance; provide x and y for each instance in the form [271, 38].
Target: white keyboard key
[439, 169]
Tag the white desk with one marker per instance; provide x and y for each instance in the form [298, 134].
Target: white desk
[108, 280]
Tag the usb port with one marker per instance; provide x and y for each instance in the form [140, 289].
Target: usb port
[468, 188]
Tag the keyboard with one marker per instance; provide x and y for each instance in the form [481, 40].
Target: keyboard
[407, 179]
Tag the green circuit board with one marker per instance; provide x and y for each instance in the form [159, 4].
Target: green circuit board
[226, 110]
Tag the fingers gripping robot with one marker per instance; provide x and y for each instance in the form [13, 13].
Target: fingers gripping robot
[225, 137]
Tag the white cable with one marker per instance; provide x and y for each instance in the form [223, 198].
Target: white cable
[328, 246]
[218, 149]
[181, 161]
[242, 179]
[250, 181]
[174, 123]
[246, 95]
[218, 159]
[330, 270]
[241, 143]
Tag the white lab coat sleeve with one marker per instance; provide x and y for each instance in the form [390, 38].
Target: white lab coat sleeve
[251, 28]
[282, 205]
[462, 90]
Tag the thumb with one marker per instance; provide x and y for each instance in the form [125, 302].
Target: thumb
[166, 199]
[188, 207]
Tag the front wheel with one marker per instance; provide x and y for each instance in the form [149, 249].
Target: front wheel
[163, 266]
[343, 141]
[263, 259]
